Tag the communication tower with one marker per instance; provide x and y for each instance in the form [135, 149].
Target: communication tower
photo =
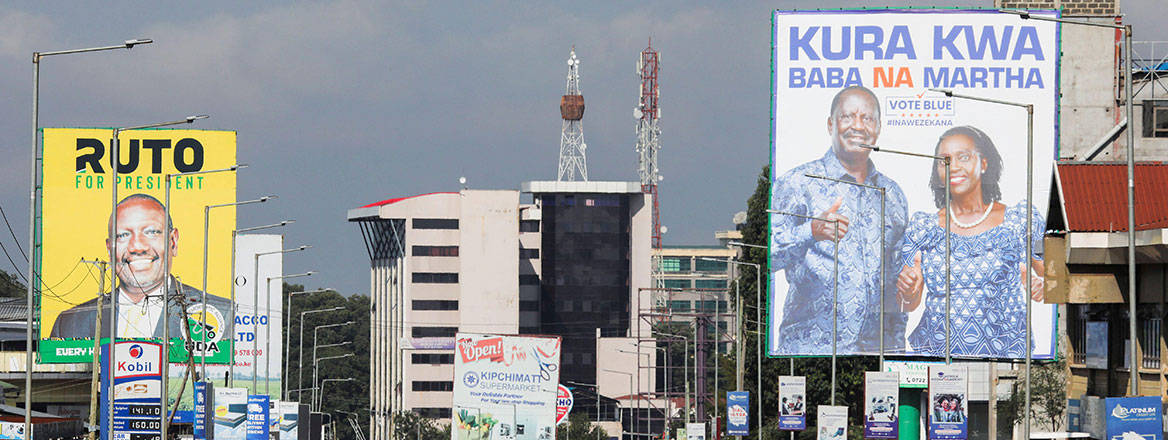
[572, 158]
[649, 132]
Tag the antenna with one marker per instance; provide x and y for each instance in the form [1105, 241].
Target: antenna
[647, 115]
[573, 161]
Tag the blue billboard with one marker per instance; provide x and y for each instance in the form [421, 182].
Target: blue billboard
[1138, 416]
[738, 412]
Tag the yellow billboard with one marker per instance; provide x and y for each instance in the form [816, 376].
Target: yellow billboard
[77, 195]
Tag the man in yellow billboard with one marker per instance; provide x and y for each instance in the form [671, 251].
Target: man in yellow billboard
[137, 252]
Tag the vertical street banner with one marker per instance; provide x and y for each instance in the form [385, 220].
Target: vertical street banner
[695, 431]
[1134, 417]
[832, 422]
[505, 387]
[792, 407]
[948, 402]
[231, 413]
[258, 406]
[275, 417]
[137, 384]
[204, 408]
[289, 420]
[78, 178]
[881, 403]
[738, 412]
[845, 81]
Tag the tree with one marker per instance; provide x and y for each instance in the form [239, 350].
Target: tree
[409, 425]
[579, 428]
[1048, 396]
[10, 286]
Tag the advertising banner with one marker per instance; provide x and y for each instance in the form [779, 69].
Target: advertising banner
[258, 406]
[77, 179]
[695, 431]
[847, 79]
[792, 408]
[948, 402]
[289, 420]
[881, 404]
[137, 378]
[738, 412]
[505, 387]
[12, 431]
[1134, 417]
[203, 409]
[231, 413]
[832, 422]
[1095, 348]
[913, 374]
[274, 416]
[564, 402]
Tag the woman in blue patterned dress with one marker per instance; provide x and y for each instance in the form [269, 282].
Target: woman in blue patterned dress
[988, 304]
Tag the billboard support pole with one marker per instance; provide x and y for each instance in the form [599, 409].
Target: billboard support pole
[96, 348]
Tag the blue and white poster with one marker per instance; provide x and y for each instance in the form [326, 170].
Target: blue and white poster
[230, 413]
[881, 404]
[203, 408]
[738, 412]
[948, 402]
[792, 408]
[137, 378]
[289, 420]
[258, 407]
[1134, 417]
[847, 80]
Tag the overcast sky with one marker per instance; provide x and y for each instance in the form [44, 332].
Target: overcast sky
[342, 104]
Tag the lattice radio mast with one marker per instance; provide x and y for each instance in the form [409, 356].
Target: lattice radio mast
[572, 158]
[649, 132]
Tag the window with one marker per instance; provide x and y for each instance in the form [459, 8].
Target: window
[528, 253]
[675, 264]
[1150, 339]
[432, 358]
[435, 251]
[432, 385]
[436, 277]
[709, 266]
[529, 280]
[435, 304]
[677, 284]
[710, 306]
[435, 223]
[1155, 118]
[679, 306]
[528, 306]
[433, 413]
[710, 284]
[529, 226]
[1077, 332]
[433, 332]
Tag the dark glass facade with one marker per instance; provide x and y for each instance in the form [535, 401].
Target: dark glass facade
[585, 275]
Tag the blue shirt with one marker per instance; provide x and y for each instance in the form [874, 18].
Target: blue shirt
[809, 264]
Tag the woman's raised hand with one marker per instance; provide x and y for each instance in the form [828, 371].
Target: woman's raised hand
[910, 284]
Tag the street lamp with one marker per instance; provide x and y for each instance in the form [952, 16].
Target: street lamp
[114, 144]
[1030, 226]
[255, 288]
[287, 336]
[324, 382]
[685, 369]
[834, 289]
[206, 242]
[758, 325]
[234, 235]
[883, 198]
[314, 335]
[1131, 179]
[268, 338]
[622, 414]
[946, 161]
[32, 198]
[300, 351]
[315, 361]
[742, 324]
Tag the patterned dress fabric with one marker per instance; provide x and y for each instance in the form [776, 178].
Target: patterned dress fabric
[988, 293]
[809, 265]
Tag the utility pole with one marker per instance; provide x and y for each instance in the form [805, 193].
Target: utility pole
[96, 348]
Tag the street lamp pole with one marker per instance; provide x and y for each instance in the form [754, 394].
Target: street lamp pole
[206, 243]
[1029, 227]
[326, 381]
[834, 289]
[633, 422]
[300, 351]
[32, 205]
[883, 251]
[314, 335]
[741, 330]
[315, 361]
[288, 337]
[946, 160]
[234, 235]
[758, 325]
[685, 370]
[255, 287]
[268, 338]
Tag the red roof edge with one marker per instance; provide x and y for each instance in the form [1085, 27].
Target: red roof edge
[392, 201]
[1094, 196]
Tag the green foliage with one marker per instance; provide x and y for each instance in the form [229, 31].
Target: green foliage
[1048, 396]
[352, 396]
[409, 425]
[10, 286]
[579, 428]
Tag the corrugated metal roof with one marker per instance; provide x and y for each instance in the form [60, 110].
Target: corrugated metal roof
[13, 309]
[1094, 195]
